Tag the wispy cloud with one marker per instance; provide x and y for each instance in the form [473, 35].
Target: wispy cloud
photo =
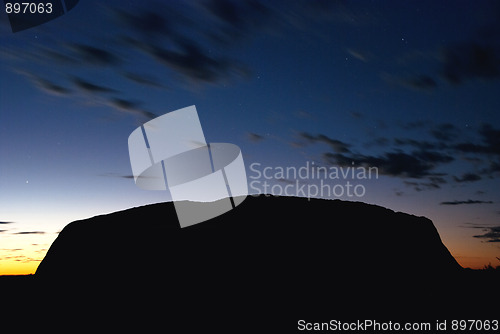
[474, 58]
[467, 177]
[492, 234]
[130, 106]
[30, 232]
[444, 131]
[422, 82]
[357, 54]
[94, 55]
[50, 87]
[235, 20]
[45, 85]
[189, 60]
[89, 87]
[192, 41]
[433, 182]
[144, 79]
[254, 137]
[469, 201]
[124, 176]
[5, 223]
[335, 144]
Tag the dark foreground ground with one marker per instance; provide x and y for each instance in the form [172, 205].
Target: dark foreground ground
[119, 304]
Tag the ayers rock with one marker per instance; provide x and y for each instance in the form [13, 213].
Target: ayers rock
[278, 252]
[262, 234]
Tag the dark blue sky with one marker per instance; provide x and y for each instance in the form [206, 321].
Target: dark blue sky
[408, 87]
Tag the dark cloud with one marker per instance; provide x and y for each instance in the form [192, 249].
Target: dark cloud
[489, 148]
[469, 60]
[238, 18]
[5, 222]
[129, 106]
[89, 87]
[420, 159]
[415, 125]
[492, 234]
[127, 176]
[149, 23]
[167, 36]
[356, 115]
[381, 141]
[50, 87]
[467, 177]
[378, 141]
[124, 176]
[30, 232]
[335, 144]
[192, 62]
[255, 137]
[142, 79]
[181, 36]
[490, 138]
[421, 82]
[342, 12]
[485, 150]
[303, 114]
[476, 225]
[434, 182]
[1, 231]
[419, 144]
[58, 57]
[437, 179]
[444, 132]
[418, 82]
[421, 186]
[93, 55]
[432, 157]
[417, 165]
[125, 104]
[229, 12]
[469, 201]
[475, 58]
[45, 85]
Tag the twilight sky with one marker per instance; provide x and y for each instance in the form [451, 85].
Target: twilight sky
[411, 88]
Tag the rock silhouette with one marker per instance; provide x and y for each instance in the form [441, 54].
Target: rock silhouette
[288, 233]
[269, 262]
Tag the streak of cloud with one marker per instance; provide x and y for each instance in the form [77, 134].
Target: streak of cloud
[469, 201]
[93, 55]
[30, 232]
[89, 87]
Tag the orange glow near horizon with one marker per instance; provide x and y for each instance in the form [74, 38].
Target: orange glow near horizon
[18, 267]
[22, 253]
